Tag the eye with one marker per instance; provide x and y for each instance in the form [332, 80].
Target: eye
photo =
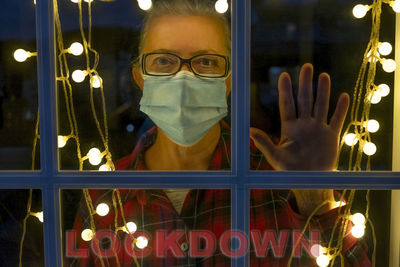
[164, 61]
[208, 62]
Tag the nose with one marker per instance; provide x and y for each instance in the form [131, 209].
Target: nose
[186, 66]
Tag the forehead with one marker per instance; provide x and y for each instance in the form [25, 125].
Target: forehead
[185, 35]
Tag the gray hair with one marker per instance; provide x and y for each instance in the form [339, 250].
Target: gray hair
[184, 7]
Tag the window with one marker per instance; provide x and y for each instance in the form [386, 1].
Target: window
[239, 180]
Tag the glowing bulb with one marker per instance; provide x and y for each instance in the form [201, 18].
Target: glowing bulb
[96, 81]
[105, 168]
[21, 55]
[375, 97]
[317, 250]
[78, 76]
[372, 126]
[145, 4]
[338, 204]
[131, 227]
[383, 89]
[141, 242]
[323, 260]
[389, 65]
[358, 230]
[385, 48]
[74, 1]
[350, 139]
[396, 6]
[373, 58]
[76, 49]
[87, 235]
[102, 209]
[359, 11]
[87, 1]
[94, 156]
[358, 219]
[369, 148]
[62, 141]
[221, 6]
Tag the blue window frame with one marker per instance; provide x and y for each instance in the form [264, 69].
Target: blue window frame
[50, 180]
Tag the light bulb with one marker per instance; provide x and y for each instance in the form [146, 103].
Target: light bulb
[105, 168]
[131, 227]
[350, 139]
[87, 1]
[94, 156]
[145, 4]
[385, 48]
[40, 216]
[396, 6]
[96, 81]
[102, 209]
[373, 58]
[78, 76]
[21, 55]
[141, 242]
[372, 126]
[383, 89]
[369, 148]
[76, 49]
[74, 1]
[375, 97]
[317, 250]
[359, 10]
[221, 6]
[358, 230]
[323, 260]
[338, 204]
[87, 235]
[389, 65]
[358, 219]
[62, 141]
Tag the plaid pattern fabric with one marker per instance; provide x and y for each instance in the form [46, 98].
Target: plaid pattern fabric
[271, 211]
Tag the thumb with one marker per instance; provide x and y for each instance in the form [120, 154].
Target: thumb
[263, 142]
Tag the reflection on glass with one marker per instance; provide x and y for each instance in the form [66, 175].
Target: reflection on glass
[133, 226]
[15, 219]
[285, 36]
[165, 81]
[281, 221]
[18, 86]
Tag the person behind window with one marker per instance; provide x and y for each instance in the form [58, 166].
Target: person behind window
[184, 71]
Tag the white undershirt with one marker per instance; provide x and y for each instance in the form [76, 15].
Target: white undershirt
[177, 197]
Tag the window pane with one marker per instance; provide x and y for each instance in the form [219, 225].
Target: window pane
[18, 85]
[288, 34]
[181, 226]
[191, 113]
[13, 210]
[279, 217]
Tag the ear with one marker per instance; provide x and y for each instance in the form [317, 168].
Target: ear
[137, 76]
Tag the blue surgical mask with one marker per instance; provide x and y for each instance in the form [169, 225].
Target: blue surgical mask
[184, 106]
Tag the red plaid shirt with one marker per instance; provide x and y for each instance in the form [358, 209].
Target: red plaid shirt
[271, 212]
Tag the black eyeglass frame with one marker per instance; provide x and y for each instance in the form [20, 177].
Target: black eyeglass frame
[185, 60]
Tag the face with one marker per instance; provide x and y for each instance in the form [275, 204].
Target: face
[185, 36]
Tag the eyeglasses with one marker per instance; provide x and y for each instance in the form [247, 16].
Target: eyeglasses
[167, 64]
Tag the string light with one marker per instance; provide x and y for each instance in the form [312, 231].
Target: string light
[373, 58]
[142, 242]
[358, 219]
[350, 139]
[145, 4]
[395, 6]
[87, 235]
[102, 209]
[131, 227]
[21, 55]
[105, 168]
[221, 6]
[38, 215]
[97, 81]
[369, 148]
[385, 48]
[359, 11]
[337, 204]
[76, 49]
[323, 260]
[62, 141]
[383, 90]
[79, 76]
[95, 156]
[375, 97]
[372, 126]
[358, 230]
[389, 65]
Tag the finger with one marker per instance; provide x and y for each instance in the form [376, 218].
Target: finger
[287, 108]
[263, 142]
[305, 95]
[339, 115]
[321, 105]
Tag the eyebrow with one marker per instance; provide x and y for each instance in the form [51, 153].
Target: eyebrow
[198, 52]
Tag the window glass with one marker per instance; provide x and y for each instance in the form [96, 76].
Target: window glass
[289, 225]
[115, 90]
[288, 34]
[18, 225]
[170, 227]
[18, 86]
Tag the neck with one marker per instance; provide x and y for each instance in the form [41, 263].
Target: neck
[167, 155]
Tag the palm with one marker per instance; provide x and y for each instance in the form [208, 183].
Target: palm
[307, 142]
